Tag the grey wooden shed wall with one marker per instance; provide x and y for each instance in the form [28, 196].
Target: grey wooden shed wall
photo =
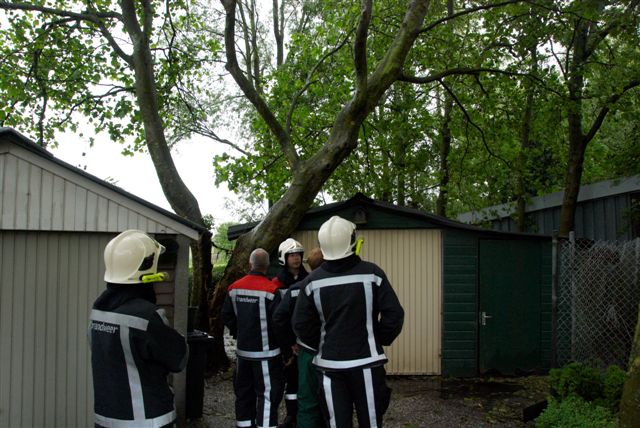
[40, 193]
[55, 222]
[602, 213]
[603, 219]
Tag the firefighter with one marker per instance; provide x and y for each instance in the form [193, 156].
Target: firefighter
[308, 407]
[133, 347]
[247, 312]
[290, 253]
[350, 304]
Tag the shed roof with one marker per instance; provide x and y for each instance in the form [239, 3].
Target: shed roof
[588, 192]
[30, 175]
[369, 213]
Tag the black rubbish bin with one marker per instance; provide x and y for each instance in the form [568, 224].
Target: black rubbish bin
[199, 342]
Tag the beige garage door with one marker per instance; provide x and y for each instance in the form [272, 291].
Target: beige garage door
[412, 262]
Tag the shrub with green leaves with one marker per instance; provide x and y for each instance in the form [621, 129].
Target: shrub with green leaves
[575, 412]
[612, 385]
[575, 379]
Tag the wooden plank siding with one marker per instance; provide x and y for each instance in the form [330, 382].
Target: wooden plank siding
[460, 261]
[546, 305]
[412, 261]
[36, 194]
[49, 280]
[605, 219]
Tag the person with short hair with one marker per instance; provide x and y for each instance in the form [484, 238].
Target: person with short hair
[133, 346]
[348, 311]
[247, 312]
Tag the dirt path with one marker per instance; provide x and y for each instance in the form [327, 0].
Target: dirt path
[417, 401]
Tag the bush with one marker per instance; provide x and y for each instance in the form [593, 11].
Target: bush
[613, 382]
[575, 412]
[575, 379]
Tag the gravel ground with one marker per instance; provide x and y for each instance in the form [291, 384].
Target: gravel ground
[416, 401]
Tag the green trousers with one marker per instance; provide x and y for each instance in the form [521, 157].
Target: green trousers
[309, 412]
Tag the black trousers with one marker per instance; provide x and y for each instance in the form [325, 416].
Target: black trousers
[363, 388]
[258, 385]
[291, 387]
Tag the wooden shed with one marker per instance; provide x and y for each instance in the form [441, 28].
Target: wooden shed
[607, 211]
[475, 301]
[55, 222]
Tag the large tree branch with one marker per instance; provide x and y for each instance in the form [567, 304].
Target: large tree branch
[278, 31]
[92, 16]
[460, 71]
[602, 114]
[437, 77]
[284, 139]
[147, 22]
[390, 67]
[597, 37]
[360, 48]
[130, 20]
[344, 133]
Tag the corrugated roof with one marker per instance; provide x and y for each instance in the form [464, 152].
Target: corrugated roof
[588, 192]
[19, 139]
[360, 199]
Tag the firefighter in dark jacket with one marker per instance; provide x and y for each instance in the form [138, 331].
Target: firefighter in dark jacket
[309, 415]
[133, 347]
[350, 305]
[247, 312]
[290, 254]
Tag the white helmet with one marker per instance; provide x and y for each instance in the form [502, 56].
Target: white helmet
[129, 256]
[289, 246]
[337, 238]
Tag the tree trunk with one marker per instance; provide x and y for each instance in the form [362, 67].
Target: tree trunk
[280, 222]
[576, 136]
[177, 193]
[445, 145]
[630, 401]
[525, 145]
[445, 148]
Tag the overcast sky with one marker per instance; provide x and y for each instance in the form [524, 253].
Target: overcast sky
[136, 174]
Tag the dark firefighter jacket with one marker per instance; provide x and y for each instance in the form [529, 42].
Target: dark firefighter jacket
[133, 349]
[248, 311]
[284, 279]
[282, 319]
[351, 306]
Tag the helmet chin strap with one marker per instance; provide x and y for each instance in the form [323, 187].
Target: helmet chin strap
[154, 277]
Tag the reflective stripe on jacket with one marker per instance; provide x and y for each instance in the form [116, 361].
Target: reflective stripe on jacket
[350, 305]
[133, 349]
[248, 311]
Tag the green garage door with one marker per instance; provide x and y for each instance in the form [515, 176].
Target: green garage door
[509, 306]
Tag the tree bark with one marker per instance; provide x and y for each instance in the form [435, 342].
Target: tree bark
[525, 145]
[577, 146]
[445, 145]
[630, 401]
[177, 193]
[445, 148]
[585, 39]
